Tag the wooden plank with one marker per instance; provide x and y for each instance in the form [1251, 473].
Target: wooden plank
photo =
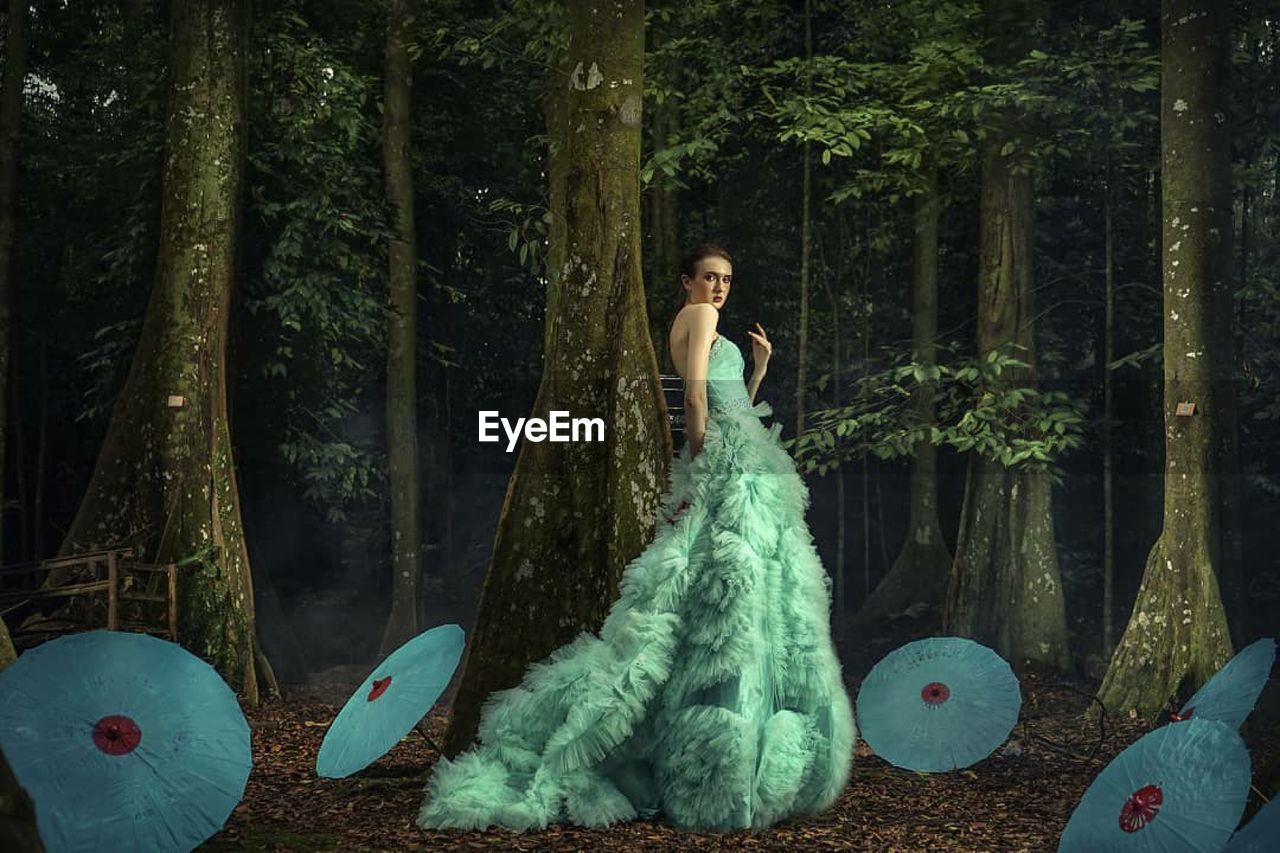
[113, 592]
[145, 628]
[143, 596]
[61, 562]
[173, 601]
[131, 566]
[57, 592]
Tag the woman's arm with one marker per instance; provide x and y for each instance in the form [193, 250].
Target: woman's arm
[761, 350]
[754, 385]
[702, 332]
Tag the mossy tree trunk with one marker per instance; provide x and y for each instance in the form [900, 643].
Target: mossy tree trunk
[919, 573]
[402, 331]
[555, 106]
[664, 212]
[1004, 588]
[165, 480]
[17, 814]
[1177, 635]
[577, 513]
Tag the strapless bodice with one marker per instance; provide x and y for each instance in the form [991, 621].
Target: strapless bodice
[726, 389]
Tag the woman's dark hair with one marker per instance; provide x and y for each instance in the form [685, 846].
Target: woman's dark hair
[689, 267]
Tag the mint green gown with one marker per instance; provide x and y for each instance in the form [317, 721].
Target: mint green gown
[712, 696]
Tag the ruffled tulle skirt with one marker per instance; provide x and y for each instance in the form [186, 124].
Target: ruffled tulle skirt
[712, 696]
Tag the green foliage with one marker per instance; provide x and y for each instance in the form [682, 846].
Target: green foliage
[316, 295]
[980, 409]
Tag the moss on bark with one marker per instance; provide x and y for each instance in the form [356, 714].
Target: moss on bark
[576, 513]
[1177, 634]
[1005, 589]
[164, 482]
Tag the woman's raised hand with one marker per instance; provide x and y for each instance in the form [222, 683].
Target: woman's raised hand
[761, 348]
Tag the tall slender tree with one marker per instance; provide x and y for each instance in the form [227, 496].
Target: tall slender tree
[402, 330]
[165, 479]
[919, 573]
[15, 72]
[1177, 635]
[576, 513]
[802, 345]
[1004, 587]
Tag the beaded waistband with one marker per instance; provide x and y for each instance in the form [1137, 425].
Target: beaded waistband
[738, 404]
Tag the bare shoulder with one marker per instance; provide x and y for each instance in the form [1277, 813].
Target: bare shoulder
[700, 315]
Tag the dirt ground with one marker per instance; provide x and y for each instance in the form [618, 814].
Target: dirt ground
[1019, 798]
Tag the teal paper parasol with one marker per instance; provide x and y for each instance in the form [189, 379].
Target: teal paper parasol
[124, 742]
[390, 702]
[1179, 787]
[938, 704]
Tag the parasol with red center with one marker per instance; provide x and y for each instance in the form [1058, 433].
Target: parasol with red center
[396, 695]
[1230, 694]
[1179, 787]
[938, 704]
[124, 742]
[1261, 834]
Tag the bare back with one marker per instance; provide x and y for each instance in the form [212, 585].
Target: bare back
[692, 333]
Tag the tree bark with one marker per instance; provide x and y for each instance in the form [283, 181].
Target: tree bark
[1108, 419]
[402, 332]
[576, 513]
[802, 344]
[664, 212]
[10, 124]
[1177, 635]
[17, 814]
[15, 71]
[165, 481]
[556, 114]
[919, 572]
[1004, 588]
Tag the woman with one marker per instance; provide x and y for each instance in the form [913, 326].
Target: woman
[713, 695]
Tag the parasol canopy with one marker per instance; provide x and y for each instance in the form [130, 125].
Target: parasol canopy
[1178, 787]
[1232, 692]
[1259, 835]
[938, 704]
[390, 702]
[124, 742]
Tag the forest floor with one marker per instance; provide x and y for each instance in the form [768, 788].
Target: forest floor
[1019, 798]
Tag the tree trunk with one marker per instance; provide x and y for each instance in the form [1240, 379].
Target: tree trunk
[402, 332]
[576, 513]
[8, 654]
[1177, 635]
[17, 813]
[664, 212]
[1108, 418]
[15, 72]
[556, 114]
[919, 573]
[42, 458]
[1004, 588]
[837, 350]
[165, 480]
[802, 344]
[1222, 360]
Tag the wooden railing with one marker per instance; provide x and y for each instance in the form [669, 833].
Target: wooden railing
[113, 572]
[673, 392]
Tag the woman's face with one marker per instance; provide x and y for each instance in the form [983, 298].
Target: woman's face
[711, 283]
